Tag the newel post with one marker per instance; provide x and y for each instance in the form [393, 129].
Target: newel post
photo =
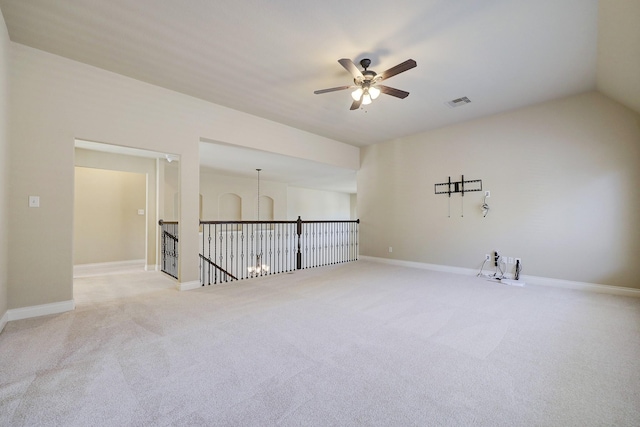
[299, 253]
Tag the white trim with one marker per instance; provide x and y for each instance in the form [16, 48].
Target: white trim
[582, 286]
[112, 264]
[188, 286]
[4, 320]
[84, 270]
[530, 280]
[40, 310]
[421, 265]
[151, 267]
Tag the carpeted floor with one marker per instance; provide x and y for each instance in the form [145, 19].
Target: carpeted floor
[354, 344]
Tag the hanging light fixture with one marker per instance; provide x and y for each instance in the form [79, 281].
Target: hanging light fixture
[366, 92]
[259, 268]
[258, 204]
[356, 94]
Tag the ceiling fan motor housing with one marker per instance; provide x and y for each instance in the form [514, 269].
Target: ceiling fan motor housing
[367, 74]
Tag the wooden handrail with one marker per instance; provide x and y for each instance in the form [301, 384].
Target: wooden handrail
[357, 221]
[247, 222]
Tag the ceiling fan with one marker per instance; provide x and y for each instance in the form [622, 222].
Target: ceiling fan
[366, 82]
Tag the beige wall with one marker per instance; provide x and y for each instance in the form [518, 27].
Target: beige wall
[4, 165]
[107, 226]
[317, 204]
[56, 100]
[214, 185]
[288, 202]
[171, 188]
[135, 164]
[618, 72]
[563, 178]
[353, 200]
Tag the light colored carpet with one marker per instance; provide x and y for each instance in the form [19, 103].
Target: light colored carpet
[353, 344]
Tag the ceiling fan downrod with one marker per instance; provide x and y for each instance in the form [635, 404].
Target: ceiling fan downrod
[368, 74]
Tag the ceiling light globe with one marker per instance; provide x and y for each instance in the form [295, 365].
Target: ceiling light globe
[356, 94]
[374, 92]
[366, 99]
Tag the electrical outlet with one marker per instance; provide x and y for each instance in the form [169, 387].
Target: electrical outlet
[510, 260]
[487, 194]
[487, 257]
[519, 261]
[390, 249]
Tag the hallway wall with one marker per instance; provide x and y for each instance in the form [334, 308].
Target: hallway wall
[4, 168]
[107, 226]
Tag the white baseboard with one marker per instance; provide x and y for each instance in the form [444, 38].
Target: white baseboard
[40, 310]
[152, 267]
[582, 286]
[3, 320]
[530, 280]
[101, 268]
[421, 265]
[111, 264]
[188, 286]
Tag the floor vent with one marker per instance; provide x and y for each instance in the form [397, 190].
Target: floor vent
[458, 102]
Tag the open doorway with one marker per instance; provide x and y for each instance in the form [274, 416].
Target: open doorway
[120, 193]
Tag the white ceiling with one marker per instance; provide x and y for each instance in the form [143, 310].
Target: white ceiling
[267, 57]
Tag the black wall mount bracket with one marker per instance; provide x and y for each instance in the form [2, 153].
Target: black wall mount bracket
[461, 186]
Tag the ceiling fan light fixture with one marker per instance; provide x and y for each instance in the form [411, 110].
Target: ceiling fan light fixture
[364, 81]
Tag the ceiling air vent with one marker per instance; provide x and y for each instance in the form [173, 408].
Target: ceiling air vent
[458, 102]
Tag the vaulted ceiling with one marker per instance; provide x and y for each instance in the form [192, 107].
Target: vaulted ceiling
[267, 57]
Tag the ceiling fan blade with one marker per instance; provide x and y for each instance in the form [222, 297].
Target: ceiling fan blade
[332, 89]
[400, 68]
[351, 68]
[356, 104]
[393, 91]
